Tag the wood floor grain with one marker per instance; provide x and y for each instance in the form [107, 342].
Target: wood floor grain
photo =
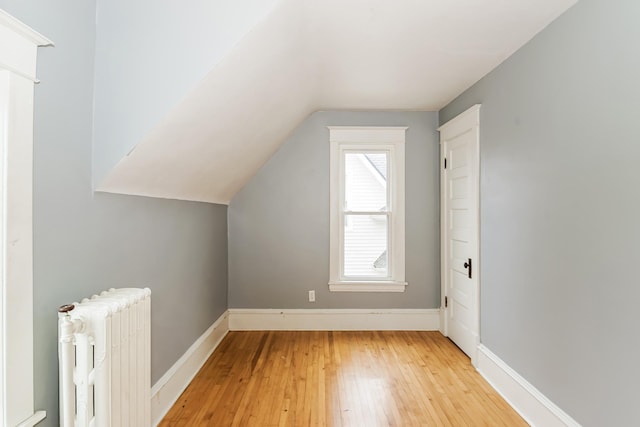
[319, 378]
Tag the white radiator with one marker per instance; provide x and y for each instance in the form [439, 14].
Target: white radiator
[104, 349]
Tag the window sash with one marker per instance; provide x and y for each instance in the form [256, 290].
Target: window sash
[388, 181]
[389, 248]
[386, 212]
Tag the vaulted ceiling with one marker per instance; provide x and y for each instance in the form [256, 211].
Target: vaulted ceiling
[310, 55]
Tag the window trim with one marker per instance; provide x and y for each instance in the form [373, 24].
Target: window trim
[345, 138]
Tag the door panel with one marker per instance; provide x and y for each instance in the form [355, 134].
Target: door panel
[460, 233]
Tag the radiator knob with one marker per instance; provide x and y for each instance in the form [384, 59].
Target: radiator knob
[66, 308]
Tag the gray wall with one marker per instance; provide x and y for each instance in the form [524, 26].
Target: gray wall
[560, 209]
[149, 55]
[87, 242]
[279, 222]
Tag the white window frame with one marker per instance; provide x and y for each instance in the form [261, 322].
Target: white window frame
[18, 52]
[350, 138]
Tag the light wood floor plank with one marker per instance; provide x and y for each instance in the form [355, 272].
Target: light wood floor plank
[318, 378]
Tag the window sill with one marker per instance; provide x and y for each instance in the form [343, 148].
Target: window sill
[367, 286]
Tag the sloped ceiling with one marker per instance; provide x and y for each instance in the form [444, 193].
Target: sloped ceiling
[308, 55]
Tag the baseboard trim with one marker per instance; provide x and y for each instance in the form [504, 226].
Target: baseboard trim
[168, 389]
[528, 401]
[241, 319]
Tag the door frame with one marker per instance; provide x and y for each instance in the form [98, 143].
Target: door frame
[17, 77]
[454, 127]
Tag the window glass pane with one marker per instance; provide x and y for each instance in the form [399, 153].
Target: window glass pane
[365, 246]
[366, 181]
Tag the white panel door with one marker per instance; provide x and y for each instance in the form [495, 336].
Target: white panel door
[460, 230]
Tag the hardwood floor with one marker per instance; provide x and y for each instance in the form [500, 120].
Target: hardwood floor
[323, 378]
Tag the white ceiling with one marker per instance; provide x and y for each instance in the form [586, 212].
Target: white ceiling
[309, 55]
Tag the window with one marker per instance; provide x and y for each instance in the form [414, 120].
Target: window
[367, 209]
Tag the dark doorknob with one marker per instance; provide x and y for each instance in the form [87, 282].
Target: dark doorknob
[467, 265]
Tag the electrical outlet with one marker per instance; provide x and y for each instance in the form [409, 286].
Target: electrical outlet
[312, 296]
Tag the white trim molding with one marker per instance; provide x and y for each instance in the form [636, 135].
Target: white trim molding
[33, 420]
[168, 389]
[19, 48]
[243, 319]
[23, 30]
[349, 140]
[367, 286]
[442, 320]
[18, 54]
[529, 402]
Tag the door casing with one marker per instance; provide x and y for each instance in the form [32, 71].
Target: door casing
[17, 77]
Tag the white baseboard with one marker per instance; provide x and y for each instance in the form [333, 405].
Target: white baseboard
[529, 402]
[168, 388]
[241, 319]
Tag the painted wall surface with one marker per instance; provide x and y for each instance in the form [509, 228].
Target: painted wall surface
[85, 242]
[559, 211]
[149, 55]
[279, 222]
[303, 56]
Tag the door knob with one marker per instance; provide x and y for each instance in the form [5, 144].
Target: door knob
[467, 265]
